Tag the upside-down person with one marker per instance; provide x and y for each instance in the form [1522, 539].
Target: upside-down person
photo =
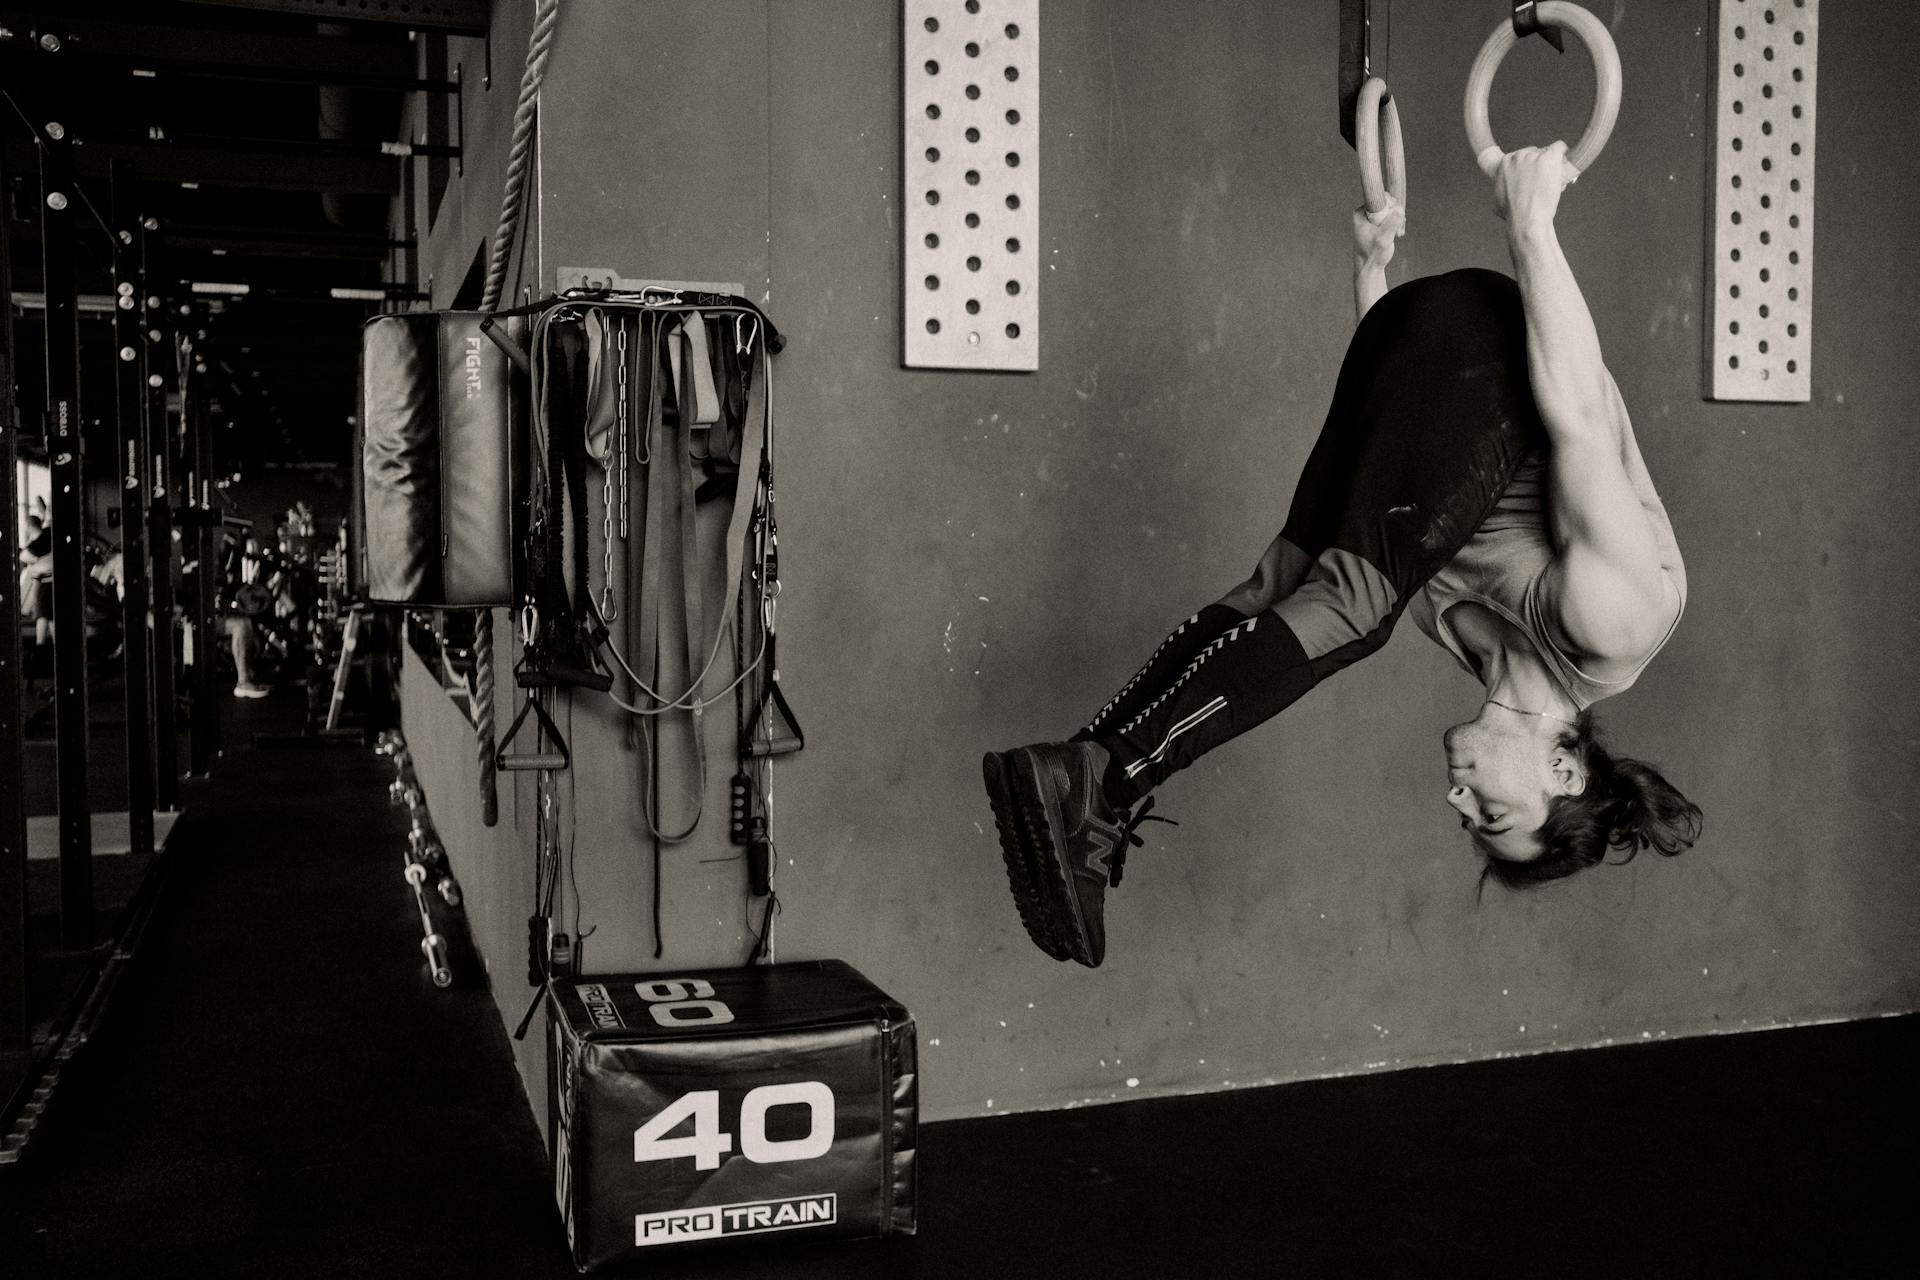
[1477, 468]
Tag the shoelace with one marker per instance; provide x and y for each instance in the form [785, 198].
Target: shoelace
[1129, 836]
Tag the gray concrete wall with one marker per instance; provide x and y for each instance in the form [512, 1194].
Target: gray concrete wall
[977, 560]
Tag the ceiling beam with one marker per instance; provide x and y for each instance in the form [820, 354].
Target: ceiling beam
[461, 17]
[266, 242]
[253, 240]
[224, 54]
[273, 167]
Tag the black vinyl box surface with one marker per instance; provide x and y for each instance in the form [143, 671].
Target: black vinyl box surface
[692, 1108]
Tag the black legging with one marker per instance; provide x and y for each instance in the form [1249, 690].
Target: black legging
[1431, 415]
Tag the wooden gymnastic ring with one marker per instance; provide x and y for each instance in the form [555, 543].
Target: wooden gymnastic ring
[1606, 71]
[1374, 106]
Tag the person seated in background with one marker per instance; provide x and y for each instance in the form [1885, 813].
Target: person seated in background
[110, 572]
[242, 633]
[264, 594]
[36, 573]
[106, 591]
[245, 639]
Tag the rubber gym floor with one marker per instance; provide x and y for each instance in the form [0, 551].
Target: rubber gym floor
[276, 1090]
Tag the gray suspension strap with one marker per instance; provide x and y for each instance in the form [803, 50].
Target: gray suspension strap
[601, 406]
[670, 505]
[670, 508]
[669, 499]
[669, 494]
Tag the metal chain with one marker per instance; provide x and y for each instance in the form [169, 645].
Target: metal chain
[624, 410]
[608, 610]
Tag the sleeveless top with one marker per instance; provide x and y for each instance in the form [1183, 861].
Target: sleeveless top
[1501, 568]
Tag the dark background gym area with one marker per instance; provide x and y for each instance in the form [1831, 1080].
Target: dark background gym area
[263, 957]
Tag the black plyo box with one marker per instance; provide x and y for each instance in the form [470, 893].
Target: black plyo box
[690, 1108]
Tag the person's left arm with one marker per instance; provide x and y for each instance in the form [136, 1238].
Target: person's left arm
[1607, 586]
[1373, 237]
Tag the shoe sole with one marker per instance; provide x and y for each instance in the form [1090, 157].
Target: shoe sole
[1037, 805]
[1024, 866]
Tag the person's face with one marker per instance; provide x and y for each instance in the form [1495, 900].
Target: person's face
[1501, 775]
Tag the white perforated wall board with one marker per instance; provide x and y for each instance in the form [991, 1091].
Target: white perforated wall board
[972, 166]
[1761, 332]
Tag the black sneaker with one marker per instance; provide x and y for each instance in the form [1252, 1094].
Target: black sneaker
[1063, 843]
[1024, 868]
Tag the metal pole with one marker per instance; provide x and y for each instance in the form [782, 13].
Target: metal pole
[157, 445]
[16, 1028]
[203, 727]
[59, 206]
[130, 387]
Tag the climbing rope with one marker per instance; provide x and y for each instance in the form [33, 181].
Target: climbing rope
[512, 210]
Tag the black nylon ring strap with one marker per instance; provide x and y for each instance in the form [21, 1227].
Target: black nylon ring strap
[1526, 22]
[562, 649]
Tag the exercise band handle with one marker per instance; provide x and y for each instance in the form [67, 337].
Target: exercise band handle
[1376, 152]
[529, 764]
[559, 759]
[1606, 73]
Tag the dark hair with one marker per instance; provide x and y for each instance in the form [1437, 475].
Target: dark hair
[1626, 805]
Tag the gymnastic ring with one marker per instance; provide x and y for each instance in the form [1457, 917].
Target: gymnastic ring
[1376, 103]
[1606, 98]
